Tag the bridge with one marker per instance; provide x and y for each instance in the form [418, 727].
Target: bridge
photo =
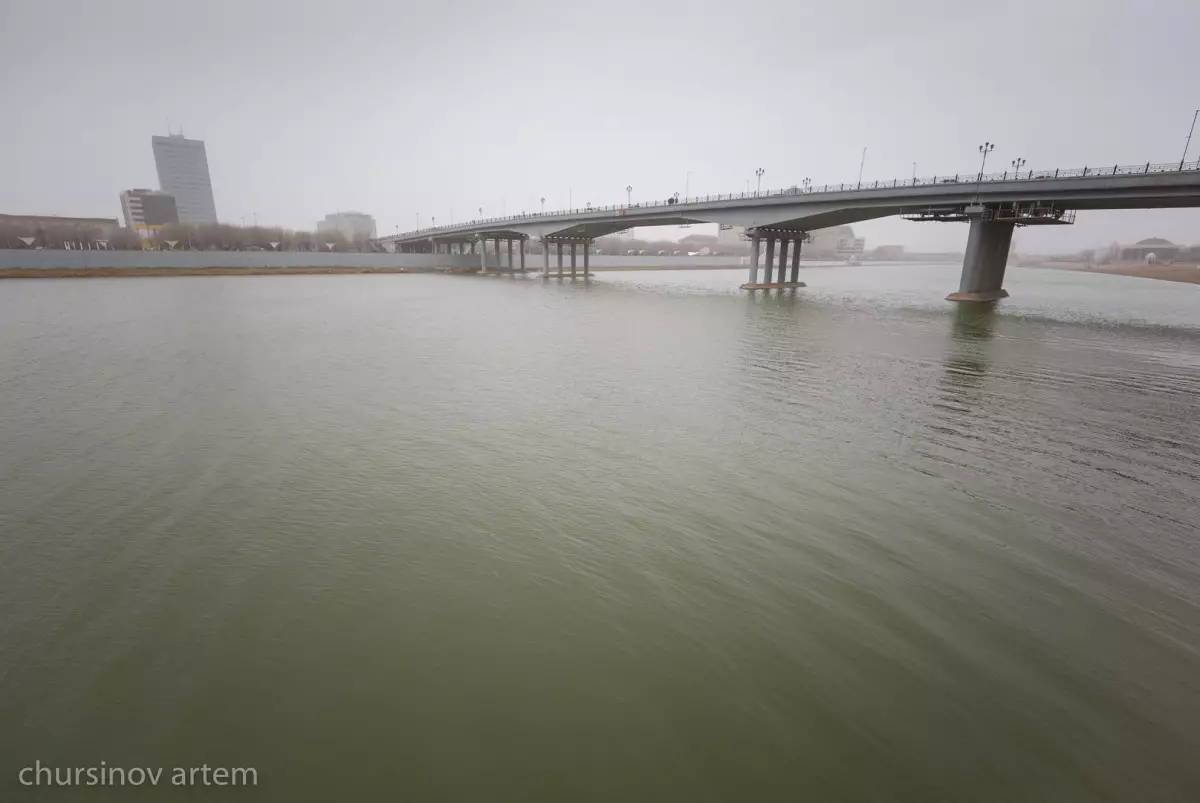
[993, 204]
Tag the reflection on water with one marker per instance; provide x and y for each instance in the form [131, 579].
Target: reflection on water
[647, 537]
[966, 358]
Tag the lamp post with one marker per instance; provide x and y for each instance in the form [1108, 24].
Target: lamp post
[914, 174]
[628, 195]
[985, 149]
[758, 188]
[807, 182]
[861, 162]
[481, 213]
[1017, 164]
[1188, 144]
[543, 204]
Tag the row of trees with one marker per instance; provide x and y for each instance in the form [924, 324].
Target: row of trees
[215, 237]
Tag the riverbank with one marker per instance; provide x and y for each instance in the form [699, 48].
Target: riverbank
[1189, 274]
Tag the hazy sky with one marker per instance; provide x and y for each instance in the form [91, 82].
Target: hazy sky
[439, 108]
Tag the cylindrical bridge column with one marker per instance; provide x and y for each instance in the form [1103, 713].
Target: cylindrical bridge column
[522, 248]
[482, 255]
[770, 263]
[545, 257]
[783, 256]
[573, 260]
[796, 258]
[587, 246]
[560, 260]
[984, 261]
[510, 259]
[754, 253]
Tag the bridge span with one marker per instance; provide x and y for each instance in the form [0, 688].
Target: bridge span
[993, 204]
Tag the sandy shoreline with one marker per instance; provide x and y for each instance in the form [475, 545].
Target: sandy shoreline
[1168, 273]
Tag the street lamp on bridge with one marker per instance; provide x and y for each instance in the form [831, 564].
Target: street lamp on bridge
[807, 182]
[543, 204]
[628, 195]
[758, 188]
[1017, 164]
[985, 149]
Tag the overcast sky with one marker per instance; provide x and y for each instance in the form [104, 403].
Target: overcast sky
[439, 108]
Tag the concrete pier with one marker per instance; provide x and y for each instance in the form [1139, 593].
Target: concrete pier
[572, 260]
[781, 274]
[560, 261]
[522, 248]
[984, 261]
[587, 247]
[769, 266]
[754, 246]
[795, 277]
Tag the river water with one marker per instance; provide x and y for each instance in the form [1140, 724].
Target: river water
[650, 538]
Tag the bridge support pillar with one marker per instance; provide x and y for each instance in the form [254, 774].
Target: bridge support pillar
[545, 257]
[587, 247]
[769, 265]
[754, 249]
[522, 246]
[781, 273]
[984, 261]
[560, 261]
[799, 241]
[482, 256]
[510, 259]
[573, 260]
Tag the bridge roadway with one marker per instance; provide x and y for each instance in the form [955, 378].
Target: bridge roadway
[993, 204]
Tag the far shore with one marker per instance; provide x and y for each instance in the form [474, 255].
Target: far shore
[1170, 273]
[97, 273]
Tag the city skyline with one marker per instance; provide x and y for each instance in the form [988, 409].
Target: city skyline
[351, 145]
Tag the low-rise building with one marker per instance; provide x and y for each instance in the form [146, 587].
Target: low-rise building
[147, 210]
[351, 225]
[102, 227]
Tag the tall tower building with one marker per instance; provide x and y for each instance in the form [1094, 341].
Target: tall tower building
[183, 172]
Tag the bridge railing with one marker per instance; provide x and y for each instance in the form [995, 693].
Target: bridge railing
[673, 203]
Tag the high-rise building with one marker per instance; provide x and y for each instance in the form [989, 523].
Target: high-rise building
[352, 225]
[183, 172]
[148, 209]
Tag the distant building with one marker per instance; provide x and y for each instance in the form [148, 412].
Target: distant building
[730, 235]
[838, 241]
[146, 210]
[1152, 249]
[351, 225]
[101, 227]
[183, 172]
